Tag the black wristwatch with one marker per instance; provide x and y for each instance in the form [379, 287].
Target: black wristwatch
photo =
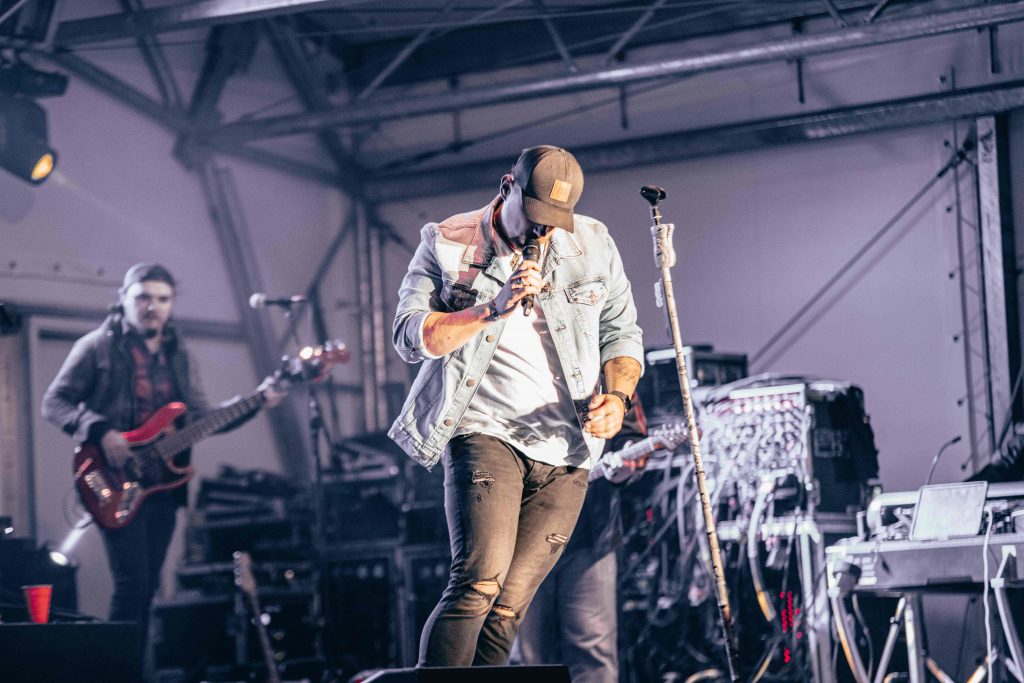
[625, 399]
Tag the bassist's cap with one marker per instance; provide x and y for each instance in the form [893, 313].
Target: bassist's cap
[145, 272]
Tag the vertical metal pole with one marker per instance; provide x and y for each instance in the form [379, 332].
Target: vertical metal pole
[912, 621]
[380, 368]
[364, 314]
[812, 558]
[965, 316]
[985, 300]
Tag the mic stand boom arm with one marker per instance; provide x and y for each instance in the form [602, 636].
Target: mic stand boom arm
[665, 258]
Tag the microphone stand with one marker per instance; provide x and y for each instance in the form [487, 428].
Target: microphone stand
[321, 618]
[935, 460]
[665, 258]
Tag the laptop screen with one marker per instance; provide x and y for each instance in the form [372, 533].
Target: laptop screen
[949, 511]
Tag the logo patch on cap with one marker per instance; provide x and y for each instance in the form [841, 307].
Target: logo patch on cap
[560, 191]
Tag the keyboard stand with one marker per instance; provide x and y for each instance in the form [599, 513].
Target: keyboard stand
[909, 617]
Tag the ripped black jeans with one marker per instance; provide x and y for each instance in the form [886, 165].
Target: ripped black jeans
[509, 518]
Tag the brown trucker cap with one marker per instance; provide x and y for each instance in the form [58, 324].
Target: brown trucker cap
[552, 182]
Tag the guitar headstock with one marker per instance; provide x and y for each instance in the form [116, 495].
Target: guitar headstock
[672, 435]
[313, 362]
[244, 578]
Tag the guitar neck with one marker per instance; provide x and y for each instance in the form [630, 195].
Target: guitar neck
[268, 653]
[633, 451]
[211, 423]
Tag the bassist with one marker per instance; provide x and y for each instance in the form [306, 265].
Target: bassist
[113, 380]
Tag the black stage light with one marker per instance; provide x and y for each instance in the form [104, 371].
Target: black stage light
[24, 145]
[21, 79]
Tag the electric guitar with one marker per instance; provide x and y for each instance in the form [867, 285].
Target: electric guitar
[113, 496]
[246, 582]
[665, 438]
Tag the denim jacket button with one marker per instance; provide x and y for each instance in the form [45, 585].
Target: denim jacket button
[449, 422]
[470, 382]
[490, 338]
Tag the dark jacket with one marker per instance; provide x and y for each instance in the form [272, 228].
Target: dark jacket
[94, 391]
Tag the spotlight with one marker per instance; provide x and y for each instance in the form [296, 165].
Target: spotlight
[24, 145]
[59, 558]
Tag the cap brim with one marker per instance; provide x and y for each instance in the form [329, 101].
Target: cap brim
[543, 213]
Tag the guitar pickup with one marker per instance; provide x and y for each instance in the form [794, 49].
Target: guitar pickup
[129, 492]
[97, 483]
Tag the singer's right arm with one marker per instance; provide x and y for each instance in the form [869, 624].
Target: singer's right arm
[445, 332]
[424, 326]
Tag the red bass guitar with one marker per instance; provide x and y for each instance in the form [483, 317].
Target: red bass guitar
[113, 496]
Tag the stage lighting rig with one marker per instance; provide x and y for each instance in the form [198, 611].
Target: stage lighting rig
[24, 142]
[24, 145]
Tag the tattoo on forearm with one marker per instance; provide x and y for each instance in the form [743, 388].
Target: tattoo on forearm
[622, 371]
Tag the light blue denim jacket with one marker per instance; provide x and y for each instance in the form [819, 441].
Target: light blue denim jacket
[586, 300]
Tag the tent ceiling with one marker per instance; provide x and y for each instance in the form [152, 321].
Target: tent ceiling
[362, 70]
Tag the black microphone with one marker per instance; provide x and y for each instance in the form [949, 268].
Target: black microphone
[531, 252]
[935, 460]
[261, 300]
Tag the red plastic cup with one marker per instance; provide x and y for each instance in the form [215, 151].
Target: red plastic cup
[37, 599]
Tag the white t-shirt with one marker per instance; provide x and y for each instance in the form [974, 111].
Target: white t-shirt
[523, 399]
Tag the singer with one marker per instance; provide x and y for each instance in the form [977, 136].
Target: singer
[509, 399]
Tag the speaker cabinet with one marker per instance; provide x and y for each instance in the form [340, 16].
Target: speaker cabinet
[84, 653]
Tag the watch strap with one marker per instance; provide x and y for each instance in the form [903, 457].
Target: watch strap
[625, 399]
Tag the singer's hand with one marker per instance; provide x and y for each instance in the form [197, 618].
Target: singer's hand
[604, 416]
[526, 280]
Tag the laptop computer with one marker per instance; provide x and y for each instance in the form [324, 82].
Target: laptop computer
[946, 511]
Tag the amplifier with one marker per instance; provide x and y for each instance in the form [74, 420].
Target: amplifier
[83, 652]
[264, 536]
[659, 387]
[379, 597]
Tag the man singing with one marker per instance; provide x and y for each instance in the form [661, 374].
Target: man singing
[509, 398]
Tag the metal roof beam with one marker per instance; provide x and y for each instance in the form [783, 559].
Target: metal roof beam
[407, 51]
[310, 87]
[176, 123]
[157, 62]
[781, 49]
[615, 50]
[183, 16]
[918, 111]
[556, 37]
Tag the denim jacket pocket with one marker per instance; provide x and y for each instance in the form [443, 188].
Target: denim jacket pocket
[588, 292]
